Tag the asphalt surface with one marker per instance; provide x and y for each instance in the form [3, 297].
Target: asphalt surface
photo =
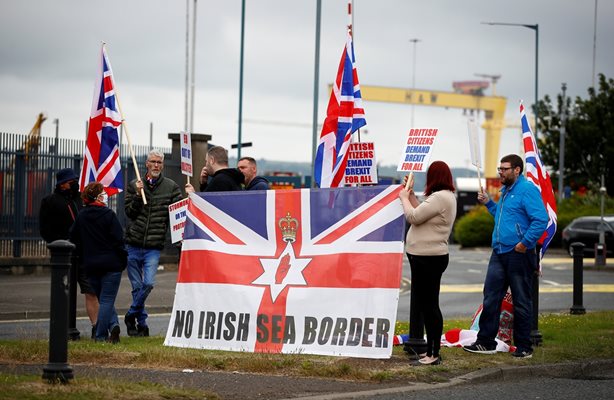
[24, 310]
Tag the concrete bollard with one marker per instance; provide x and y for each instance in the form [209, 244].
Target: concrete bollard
[578, 278]
[58, 369]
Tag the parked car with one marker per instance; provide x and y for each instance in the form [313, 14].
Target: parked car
[586, 230]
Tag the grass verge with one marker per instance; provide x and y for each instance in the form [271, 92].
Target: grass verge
[565, 338]
[32, 387]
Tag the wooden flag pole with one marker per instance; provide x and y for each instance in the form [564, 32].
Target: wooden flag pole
[410, 181]
[136, 167]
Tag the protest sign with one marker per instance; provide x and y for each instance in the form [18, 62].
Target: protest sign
[186, 153]
[361, 167]
[177, 217]
[418, 147]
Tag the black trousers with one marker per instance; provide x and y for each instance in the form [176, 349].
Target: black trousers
[426, 272]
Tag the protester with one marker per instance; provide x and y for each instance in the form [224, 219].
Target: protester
[427, 249]
[98, 236]
[249, 168]
[145, 235]
[57, 214]
[520, 220]
[223, 179]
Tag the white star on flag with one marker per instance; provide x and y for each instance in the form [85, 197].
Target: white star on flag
[283, 271]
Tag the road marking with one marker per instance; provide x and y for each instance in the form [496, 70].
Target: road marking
[560, 288]
[553, 283]
[474, 271]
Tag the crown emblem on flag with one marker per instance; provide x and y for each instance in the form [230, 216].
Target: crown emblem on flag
[288, 226]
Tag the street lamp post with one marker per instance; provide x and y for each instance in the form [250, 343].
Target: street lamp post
[562, 144]
[413, 77]
[536, 336]
[534, 27]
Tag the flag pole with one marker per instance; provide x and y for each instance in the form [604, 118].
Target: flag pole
[136, 168]
[410, 181]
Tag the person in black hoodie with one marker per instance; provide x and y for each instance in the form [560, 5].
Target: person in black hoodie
[223, 179]
[98, 236]
[57, 214]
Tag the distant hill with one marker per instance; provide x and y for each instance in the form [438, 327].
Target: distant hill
[267, 167]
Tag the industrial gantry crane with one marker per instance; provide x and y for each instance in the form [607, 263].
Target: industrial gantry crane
[469, 99]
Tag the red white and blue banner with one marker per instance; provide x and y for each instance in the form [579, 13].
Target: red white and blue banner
[101, 156]
[344, 116]
[538, 175]
[292, 271]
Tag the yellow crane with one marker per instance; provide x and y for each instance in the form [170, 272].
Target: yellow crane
[493, 107]
[33, 141]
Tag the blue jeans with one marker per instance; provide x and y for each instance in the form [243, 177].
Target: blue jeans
[142, 268]
[514, 270]
[106, 287]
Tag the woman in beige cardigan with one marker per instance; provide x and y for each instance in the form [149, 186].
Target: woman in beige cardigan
[427, 249]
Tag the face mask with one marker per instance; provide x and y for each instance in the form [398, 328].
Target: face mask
[105, 198]
[74, 187]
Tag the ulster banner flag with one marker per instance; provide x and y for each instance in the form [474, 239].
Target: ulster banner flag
[290, 272]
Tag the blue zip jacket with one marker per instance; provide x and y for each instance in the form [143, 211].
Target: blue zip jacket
[520, 216]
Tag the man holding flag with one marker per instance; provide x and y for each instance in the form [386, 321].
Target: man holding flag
[520, 221]
[344, 116]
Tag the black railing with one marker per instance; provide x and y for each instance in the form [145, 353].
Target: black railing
[25, 178]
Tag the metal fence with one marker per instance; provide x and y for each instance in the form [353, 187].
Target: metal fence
[27, 174]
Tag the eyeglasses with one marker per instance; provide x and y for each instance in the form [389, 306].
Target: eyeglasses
[502, 169]
[155, 162]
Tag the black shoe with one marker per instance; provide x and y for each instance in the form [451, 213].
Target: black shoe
[93, 331]
[523, 354]
[480, 349]
[143, 331]
[130, 321]
[114, 339]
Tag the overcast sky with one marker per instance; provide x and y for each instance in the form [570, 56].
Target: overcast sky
[49, 54]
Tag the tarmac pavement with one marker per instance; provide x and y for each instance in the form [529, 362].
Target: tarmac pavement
[25, 314]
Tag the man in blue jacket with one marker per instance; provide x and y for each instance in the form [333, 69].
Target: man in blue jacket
[520, 220]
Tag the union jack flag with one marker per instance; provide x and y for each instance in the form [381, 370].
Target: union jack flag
[344, 116]
[283, 271]
[101, 155]
[538, 175]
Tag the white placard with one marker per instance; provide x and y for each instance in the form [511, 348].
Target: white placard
[417, 150]
[186, 153]
[177, 216]
[361, 167]
[474, 143]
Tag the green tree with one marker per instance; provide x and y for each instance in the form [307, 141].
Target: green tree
[589, 137]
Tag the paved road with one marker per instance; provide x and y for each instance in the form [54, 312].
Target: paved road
[26, 297]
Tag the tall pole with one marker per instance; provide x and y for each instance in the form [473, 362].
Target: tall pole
[316, 80]
[241, 77]
[56, 121]
[187, 62]
[562, 143]
[536, 28]
[193, 72]
[413, 78]
[594, 43]
[150, 135]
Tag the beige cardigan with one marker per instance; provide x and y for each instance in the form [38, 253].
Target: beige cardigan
[431, 224]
